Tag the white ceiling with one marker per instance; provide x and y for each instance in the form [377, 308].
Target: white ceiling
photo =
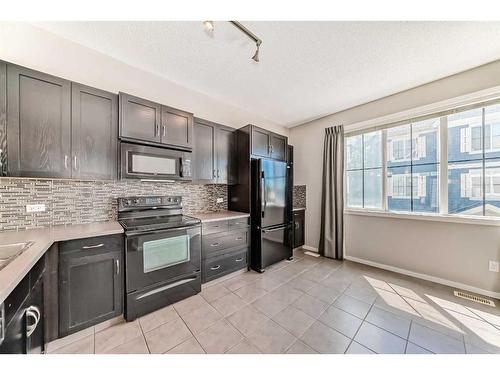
[306, 70]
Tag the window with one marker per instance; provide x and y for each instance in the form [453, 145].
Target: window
[364, 170]
[414, 175]
[412, 181]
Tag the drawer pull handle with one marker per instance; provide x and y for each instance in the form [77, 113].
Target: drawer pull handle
[93, 246]
[215, 244]
[239, 238]
[215, 268]
[239, 259]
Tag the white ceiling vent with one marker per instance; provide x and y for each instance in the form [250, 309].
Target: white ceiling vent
[472, 297]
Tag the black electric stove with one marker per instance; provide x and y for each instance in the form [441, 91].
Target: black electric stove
[163, 253]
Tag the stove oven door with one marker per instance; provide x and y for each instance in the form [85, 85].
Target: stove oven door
[159, 256]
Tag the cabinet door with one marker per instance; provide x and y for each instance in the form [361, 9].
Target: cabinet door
[176, 127]
[298, 229]
[3, 119]
[139, 118]
[94, 132]
[90, 289]
[38, 124]
[225, 155]
[204, 152]
[261, 141]
[278, 147]
[34, 325]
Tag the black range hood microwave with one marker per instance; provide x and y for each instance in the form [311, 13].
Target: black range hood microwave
[150, 163]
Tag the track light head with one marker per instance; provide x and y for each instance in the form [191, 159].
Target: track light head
[209, 26]
[255, 57]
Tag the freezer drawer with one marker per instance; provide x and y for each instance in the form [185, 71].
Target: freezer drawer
[273, 245]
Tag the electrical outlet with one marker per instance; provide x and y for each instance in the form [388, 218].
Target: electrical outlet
[35, 207]
[220, 200]
[493, 266]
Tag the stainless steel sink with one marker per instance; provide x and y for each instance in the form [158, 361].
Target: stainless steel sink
[11, 251]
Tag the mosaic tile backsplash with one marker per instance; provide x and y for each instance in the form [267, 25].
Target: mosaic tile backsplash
[299, 196]
[80, 202]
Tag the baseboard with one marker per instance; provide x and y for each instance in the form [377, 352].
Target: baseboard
[423, 276]
[310, 248]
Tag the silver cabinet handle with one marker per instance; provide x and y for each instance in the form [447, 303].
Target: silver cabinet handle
[215, 244]
[164, 129]
[75, 158]
[93, 246]
[239, 260]
[117, 266]
[218, 175]
[214, 174]
[157, 130]
[34, 313]
[238, 238]
[65, 161]
[215, 268]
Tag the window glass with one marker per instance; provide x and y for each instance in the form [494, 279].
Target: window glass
[465, 195]
[399, 188]
[492, 187]
[354, 186]
[373, 188]
[465, 135]
[372, 143]
[425, 141]
[399, 146]
[492, 131]
[354, 152]
[425, 191]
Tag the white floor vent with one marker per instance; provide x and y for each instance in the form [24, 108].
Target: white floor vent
[472, 297]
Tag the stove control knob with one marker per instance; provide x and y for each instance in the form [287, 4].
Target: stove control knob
[136, 201]
[126, 202]
[169, 199]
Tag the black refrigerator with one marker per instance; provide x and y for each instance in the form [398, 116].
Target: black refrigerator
[270, 213]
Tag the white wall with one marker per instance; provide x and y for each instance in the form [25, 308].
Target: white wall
[35, 48]
[308, 141]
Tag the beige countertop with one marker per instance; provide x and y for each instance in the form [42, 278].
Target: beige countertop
[218, 215]
[42, 239]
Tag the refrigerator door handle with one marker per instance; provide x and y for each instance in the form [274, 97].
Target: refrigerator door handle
[263, 202]
[274, 229]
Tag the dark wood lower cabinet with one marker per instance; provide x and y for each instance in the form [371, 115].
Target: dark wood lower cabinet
[24, 315]
[90, 284]
[298, 228]
[225, 247]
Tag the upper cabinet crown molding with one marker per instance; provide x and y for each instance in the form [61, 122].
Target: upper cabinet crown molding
[149, 122]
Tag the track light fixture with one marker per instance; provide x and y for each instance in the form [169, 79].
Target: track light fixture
[209, 28]
[251, 35]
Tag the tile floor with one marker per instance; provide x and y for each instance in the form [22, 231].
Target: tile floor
[309, 305]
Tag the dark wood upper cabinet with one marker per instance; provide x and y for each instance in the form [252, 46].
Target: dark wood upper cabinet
[261, 142]
[39, 124]
[225, 140]
[214, 148]
[278, 147]
[176, 127]
[3, 119]
[139, 119]
[94, 133]
[204, 152]
[268, 144]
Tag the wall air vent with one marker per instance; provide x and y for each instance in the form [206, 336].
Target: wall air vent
[472, 297]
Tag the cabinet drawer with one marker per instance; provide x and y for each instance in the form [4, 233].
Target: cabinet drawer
[222, 265]
[242, 222]
[101, 243]
[214, 227]
[215, 243]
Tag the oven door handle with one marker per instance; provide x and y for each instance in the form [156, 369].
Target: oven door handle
[138, 233]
